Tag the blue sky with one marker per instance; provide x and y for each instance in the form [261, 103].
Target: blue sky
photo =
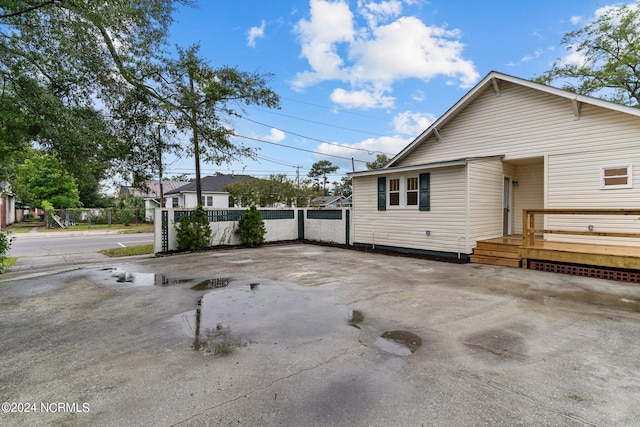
[360, 77]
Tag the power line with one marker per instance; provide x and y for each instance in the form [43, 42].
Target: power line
[319, 123]
[301, 149]
[318, 140]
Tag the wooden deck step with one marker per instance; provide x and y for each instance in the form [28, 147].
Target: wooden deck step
[489, 260]
[502, 247]
[500, 251]
[497, 253]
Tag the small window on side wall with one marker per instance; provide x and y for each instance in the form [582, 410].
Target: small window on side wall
[615, 177]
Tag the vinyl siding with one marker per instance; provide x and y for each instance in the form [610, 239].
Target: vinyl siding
[525, 123]
[485, 181]
[406, 228]
[574, 182]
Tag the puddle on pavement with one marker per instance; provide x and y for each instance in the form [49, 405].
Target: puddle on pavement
[497, 343]
[161, 280]
[219, 341]
[255, 313]
[145, 279]
[215, 283]
[399, 343]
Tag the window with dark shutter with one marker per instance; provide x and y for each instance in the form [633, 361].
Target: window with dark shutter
[382, 193]
[425, 193]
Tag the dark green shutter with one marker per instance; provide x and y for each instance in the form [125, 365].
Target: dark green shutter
[382, 193]
[425, 182]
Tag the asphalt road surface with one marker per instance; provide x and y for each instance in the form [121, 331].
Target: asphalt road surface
[39, 249]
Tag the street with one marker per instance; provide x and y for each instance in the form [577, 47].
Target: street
[50, 248]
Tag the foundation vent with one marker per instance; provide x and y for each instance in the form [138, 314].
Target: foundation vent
[586, 271]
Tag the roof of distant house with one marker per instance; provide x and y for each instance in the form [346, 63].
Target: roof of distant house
[211, 184]
[152, 188]
[325, 200]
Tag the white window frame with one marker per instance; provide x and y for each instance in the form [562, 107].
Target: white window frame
[207, 201]
[629, 177]
[403, 192]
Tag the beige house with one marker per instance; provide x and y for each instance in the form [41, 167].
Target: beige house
[508, 145]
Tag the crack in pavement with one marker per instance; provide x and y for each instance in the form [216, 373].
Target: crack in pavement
[277, 380]
[533, 400]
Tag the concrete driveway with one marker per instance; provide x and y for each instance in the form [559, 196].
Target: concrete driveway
[310, 335]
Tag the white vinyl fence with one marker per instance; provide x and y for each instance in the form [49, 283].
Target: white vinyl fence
[320, 225]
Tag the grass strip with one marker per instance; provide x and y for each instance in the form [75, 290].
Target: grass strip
[128, 251]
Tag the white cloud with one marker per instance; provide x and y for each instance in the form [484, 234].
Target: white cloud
[372, 58]
[535, 55]
[364, 99]
[385, 144]
[408, 48]
[410, 123]
[276, 135]
[575, 20]
[383, 11]
[255, 33]
[330, 25]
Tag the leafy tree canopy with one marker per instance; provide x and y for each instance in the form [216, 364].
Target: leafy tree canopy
[344, 187]
[319, 171]
[268, 192]
[67, 70]
[42, 177]
[97, 83]
[380, 161]
[609, 49]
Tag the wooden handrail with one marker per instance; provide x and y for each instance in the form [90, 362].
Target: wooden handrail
[529, 229]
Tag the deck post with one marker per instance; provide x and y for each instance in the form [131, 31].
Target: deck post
[525, 229]
[532, 228]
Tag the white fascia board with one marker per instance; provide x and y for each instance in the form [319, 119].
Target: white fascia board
[386, 171]
[426, 166]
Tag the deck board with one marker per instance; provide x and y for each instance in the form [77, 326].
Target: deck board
[617, 256]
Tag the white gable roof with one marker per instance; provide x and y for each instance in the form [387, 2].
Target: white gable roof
[493, 79]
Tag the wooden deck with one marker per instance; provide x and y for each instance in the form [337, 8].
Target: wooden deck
[509, 251]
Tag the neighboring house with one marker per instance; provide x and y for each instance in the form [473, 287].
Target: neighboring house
[151, 194]
[331, 201]
[509, 144]
[213, 194]
[7, 205]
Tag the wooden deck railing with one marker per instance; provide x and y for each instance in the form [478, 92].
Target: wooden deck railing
[529, 229]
